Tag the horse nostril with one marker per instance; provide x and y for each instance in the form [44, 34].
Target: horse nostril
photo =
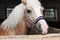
[39, 25]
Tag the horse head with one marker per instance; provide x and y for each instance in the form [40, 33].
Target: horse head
[34, 12]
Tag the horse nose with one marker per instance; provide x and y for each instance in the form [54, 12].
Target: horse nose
[43, 32]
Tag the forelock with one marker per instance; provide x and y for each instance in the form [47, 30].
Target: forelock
[33, 3]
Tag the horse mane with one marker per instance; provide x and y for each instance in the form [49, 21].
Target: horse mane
[14, 17]
[33, 3]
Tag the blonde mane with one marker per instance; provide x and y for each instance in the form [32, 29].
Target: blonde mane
[15, 17]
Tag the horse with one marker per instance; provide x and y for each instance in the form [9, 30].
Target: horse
[17, 23]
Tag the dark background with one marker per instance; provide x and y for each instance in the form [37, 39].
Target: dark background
[46, 3]
[53, 4]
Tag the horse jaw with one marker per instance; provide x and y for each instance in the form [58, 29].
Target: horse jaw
[14, 18]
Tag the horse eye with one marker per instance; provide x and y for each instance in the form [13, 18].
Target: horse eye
[28, 11]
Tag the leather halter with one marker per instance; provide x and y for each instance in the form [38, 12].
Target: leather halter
[36, 20]
[33, 22]
[33, 28]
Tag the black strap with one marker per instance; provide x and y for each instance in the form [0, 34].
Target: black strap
[39, 18]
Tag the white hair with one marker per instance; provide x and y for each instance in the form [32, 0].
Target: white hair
[33, 3]
[15, 17]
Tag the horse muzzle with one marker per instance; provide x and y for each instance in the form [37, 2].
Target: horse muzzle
[36, 26]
